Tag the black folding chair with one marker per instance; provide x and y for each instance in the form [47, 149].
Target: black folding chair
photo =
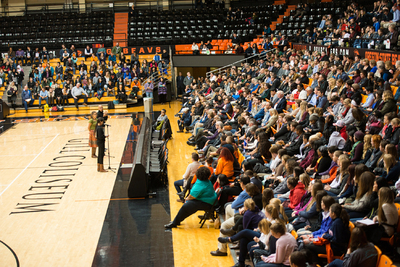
[210, 214]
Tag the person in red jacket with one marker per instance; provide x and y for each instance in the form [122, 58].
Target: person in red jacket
[297, 191]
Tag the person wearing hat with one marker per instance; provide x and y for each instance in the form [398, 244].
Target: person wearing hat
[135, 85]
[357, 149]
[336, 138]
[316, 125]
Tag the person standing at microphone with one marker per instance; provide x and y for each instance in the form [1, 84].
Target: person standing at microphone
[101, 140]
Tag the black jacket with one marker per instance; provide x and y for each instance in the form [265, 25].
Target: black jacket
[318, 126]
[100, 134]
[294, 147]
[282, 134]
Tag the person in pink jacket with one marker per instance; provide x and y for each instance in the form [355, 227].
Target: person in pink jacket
[285, 245]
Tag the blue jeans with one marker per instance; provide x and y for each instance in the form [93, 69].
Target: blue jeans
[100, 93]
[336, 263]
[189, 208]
[89, 92]
[178, 184]
[245, 236]
[149, 94]
[59, 76]
[26, 104]
[40, 100]
[331, 194]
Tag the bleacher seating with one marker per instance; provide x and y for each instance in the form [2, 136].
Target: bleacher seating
[53, 29]
[91, 100]
[291, 24]
[195, 25]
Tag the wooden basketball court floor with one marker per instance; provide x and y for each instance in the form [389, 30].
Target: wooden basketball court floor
[53, 203]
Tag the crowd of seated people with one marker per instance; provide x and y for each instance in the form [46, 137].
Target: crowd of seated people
[357, 26]
[299, 142]
[107, 75]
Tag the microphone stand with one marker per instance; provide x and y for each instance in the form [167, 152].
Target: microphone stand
[108, 149]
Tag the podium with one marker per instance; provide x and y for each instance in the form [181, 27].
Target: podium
[4, 110]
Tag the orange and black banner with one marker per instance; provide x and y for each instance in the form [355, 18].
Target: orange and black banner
[140, 50]
[377, 55]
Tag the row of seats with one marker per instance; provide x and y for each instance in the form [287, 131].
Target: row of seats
[60, 15]
[53, 29]
[194, 26]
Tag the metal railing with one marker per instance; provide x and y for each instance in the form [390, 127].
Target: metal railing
[155, 77]
[224, 68]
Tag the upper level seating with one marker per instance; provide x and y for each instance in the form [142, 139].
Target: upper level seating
[195, 25]
[291, 24]
[53, 29]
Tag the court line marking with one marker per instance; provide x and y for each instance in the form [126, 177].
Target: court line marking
[27, 166]
[112, 199]
[17, 155]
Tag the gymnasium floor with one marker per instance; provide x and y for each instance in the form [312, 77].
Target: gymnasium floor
[56, 209]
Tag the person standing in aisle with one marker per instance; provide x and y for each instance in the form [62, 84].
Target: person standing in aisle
[92, 133]
[101, 140]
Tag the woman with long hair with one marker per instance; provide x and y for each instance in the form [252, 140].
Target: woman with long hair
[261, 153]
[338, 234]
[360, 253]
[278, 214]
[267, 195]
[225, 164]
[307, 208]
[301, 112]
[337, 185]
[322, 225]
[387, 212]
[359, 208]
[92, 135]
[392, 167]
[375, 154]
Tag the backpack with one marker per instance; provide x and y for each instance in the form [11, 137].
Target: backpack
[45, 108]
[54, 109]
[60, 108]
[111, 105]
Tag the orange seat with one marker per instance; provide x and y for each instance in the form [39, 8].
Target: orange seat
[294, 234]
[379, 255]
[384, 261]
[364, 98]
[394, 89]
